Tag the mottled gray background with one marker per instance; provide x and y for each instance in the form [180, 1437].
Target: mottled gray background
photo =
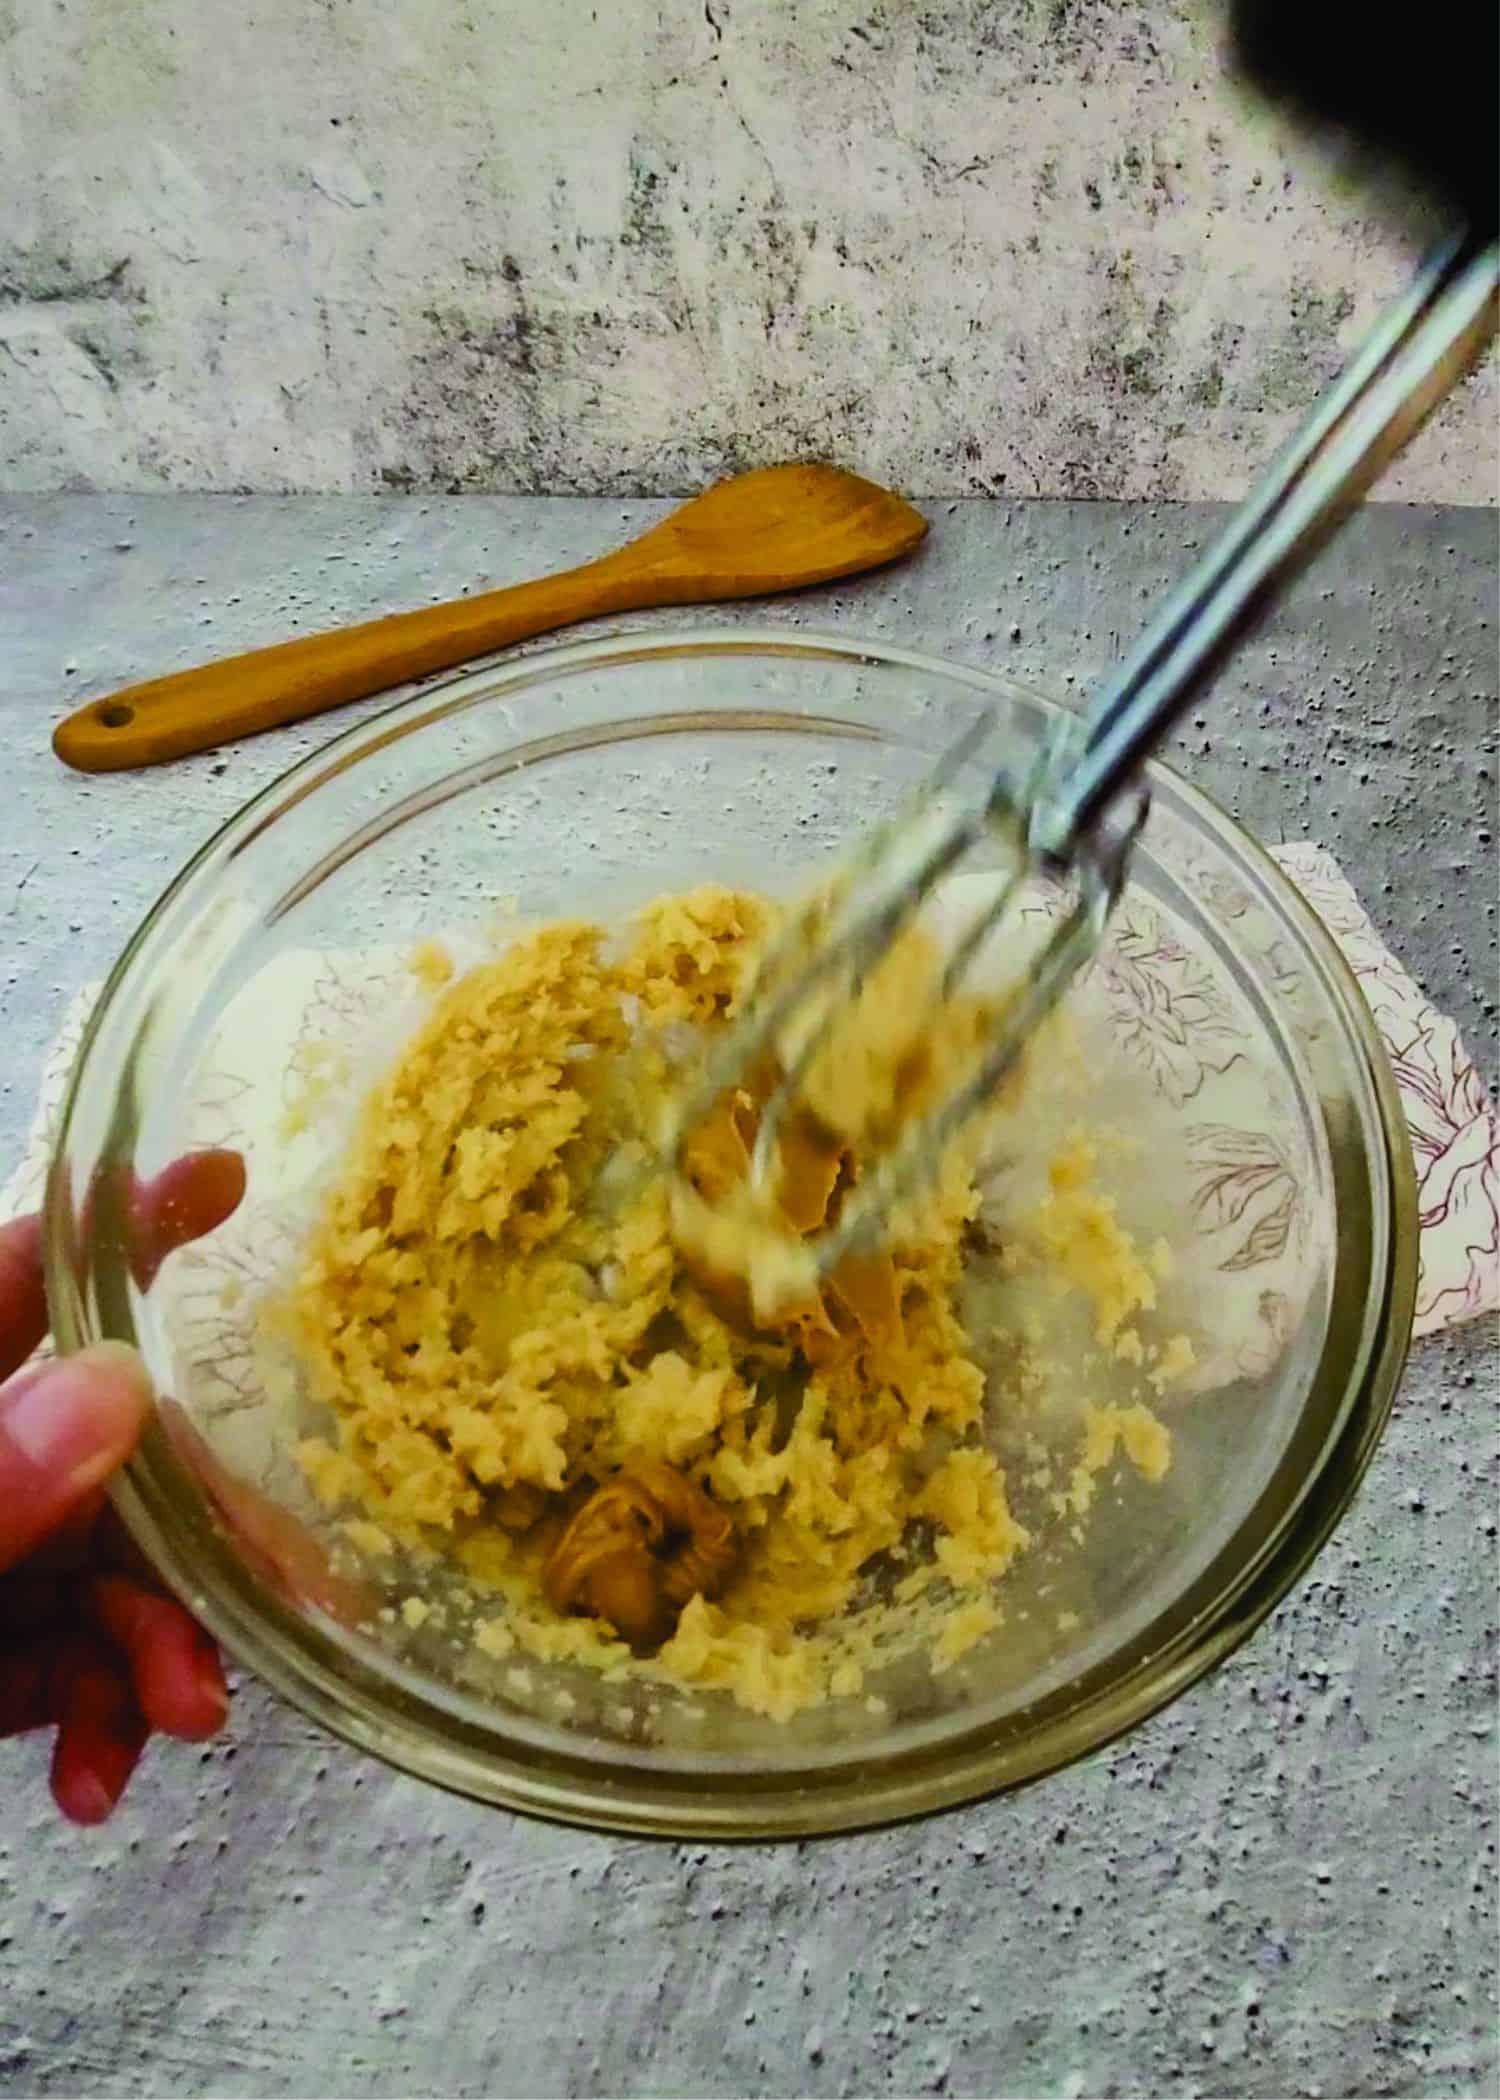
[1025, 248]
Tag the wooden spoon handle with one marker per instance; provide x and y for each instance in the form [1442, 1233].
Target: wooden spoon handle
[265, 688]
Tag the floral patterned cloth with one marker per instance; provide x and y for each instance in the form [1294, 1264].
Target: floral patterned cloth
[1245, 1198]
[1455, 1132]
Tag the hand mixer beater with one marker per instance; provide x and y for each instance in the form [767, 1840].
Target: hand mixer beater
[1075, 813]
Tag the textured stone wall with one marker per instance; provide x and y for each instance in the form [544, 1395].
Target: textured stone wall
[1029, 247]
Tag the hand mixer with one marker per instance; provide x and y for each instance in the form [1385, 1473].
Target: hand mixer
[1076, 813]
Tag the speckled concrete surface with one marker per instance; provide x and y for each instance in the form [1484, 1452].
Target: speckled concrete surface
[1025, 249]
[1285, 1884]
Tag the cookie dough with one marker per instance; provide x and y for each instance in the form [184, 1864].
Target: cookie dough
[502, 1316]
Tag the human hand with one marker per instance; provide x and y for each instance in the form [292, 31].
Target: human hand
[90, 1644]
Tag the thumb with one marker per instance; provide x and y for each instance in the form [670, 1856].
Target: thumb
[64, 1428]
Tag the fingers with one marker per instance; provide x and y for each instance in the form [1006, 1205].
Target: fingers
[185, 1201]
[100, 1732]
[143, 1666]
[179, 1685]
[64, 1428]
[23, 1302]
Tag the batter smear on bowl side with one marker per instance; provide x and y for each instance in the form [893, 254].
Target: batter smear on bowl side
[652, 1448]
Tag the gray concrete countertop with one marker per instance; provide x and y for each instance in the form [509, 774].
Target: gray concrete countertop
[1284, 1884]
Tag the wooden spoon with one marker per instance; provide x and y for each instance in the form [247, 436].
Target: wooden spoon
[775, 529]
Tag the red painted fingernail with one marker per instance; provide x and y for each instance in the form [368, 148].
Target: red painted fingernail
[89, 1799]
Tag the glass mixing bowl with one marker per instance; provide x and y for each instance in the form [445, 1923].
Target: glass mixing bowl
[584, 780]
